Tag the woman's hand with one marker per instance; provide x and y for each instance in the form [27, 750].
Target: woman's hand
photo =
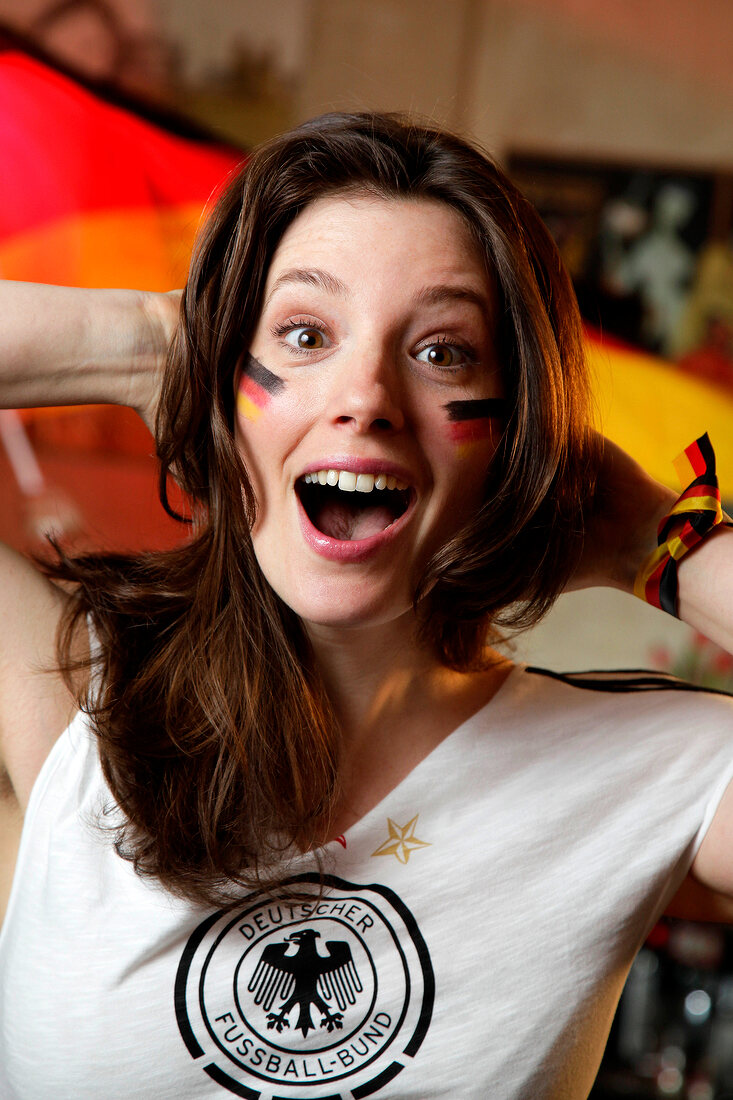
[161, 314]
[621, 528]
[622, 532]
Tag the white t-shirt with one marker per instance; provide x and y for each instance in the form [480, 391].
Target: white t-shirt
[472, 940]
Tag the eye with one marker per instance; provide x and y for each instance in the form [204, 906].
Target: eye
[443, 356]
[305, 337]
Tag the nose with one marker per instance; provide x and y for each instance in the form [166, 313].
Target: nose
[367, 394]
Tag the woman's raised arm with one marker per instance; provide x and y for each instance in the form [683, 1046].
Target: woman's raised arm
[61, 346]
[70, 346]
[706, 588]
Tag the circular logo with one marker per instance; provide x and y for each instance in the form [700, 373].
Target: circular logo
[277, 997]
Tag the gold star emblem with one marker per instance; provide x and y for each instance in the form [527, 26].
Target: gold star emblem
[401, 841]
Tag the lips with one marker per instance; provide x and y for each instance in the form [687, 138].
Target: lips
[347, 514]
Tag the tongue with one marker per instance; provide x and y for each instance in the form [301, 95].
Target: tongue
[341, 522]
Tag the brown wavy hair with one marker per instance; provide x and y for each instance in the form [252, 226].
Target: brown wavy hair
[215, 732]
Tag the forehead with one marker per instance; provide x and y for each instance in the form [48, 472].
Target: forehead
[363, 235]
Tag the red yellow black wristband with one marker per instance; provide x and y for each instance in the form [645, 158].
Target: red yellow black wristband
[696, 512]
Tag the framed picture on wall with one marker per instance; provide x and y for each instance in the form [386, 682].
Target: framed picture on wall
[649, 249]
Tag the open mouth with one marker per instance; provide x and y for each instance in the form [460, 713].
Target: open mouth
[348, 506]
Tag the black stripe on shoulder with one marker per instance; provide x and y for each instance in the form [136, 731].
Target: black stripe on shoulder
[624, 680]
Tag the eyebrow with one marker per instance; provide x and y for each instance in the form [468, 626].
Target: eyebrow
[312, 276]
[437, 295]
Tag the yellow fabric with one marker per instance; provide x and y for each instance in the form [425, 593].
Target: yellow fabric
[652, 409]
[695, 504]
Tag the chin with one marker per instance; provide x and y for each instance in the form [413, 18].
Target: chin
[339, 606]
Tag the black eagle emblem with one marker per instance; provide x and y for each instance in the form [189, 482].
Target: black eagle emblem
[304, 979]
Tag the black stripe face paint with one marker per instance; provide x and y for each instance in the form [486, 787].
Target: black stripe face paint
[257, 385]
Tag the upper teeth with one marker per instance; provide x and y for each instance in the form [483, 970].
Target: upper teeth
[350, 482]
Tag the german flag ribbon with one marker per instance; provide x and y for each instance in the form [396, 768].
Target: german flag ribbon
[696, 512]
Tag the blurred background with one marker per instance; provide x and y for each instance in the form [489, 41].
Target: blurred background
[120, 118]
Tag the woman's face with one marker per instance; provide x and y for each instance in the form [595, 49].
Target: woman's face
[364, 408]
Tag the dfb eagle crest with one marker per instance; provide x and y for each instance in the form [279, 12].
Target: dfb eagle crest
[304, 979]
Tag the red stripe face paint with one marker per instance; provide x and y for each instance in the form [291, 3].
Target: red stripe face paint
[257, 386]
[471, 421]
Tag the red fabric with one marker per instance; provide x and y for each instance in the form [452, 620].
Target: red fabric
[65, 151]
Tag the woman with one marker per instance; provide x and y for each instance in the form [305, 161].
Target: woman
[372, 856]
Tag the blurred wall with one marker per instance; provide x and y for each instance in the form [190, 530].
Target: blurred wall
[207, 33]
[648, 78]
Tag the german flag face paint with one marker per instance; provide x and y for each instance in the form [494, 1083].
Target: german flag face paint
[257, 387]
[470, 422]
